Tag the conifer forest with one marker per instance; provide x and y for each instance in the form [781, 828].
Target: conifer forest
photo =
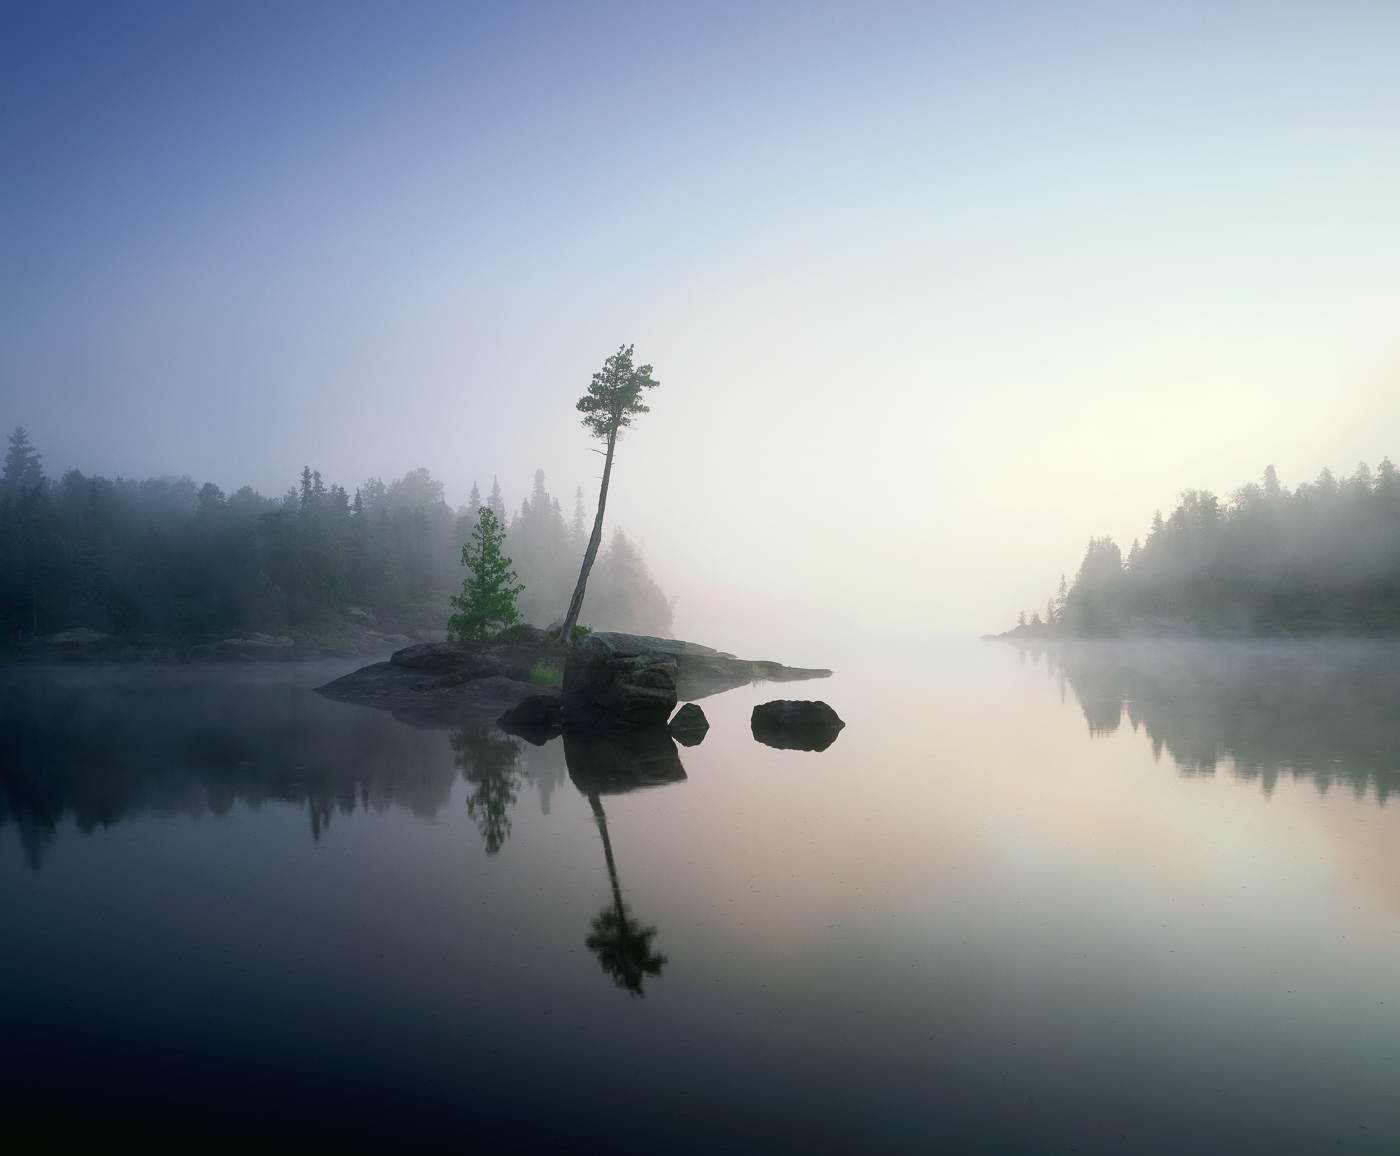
[170, 563]
[1323, 558]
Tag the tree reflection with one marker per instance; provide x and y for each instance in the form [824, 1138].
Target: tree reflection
[621, 943]
[614, 766]
[490, 762]
[1322, 709]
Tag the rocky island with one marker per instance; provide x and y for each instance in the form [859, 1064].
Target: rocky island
[607, 681]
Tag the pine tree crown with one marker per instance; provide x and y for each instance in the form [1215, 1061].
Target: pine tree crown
[614, 395]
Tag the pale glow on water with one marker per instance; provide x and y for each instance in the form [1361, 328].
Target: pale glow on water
[968, 922]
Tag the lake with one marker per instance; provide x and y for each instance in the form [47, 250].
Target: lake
[1111, 898]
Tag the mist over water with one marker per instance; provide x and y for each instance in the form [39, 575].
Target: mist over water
[1023, 901]
[825, 334]
[1320, 711]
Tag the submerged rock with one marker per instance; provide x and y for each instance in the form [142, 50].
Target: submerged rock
[689, 725]
[795, 724]
[536, 719]
[620, 682]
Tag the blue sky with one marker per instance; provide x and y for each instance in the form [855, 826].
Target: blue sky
[934, 292]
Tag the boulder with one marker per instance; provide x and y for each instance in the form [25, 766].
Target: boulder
[484, 666]
[689, 725]
[620, 682]
[795, 724]
[361, 615]
[534, 717]
[433, 657]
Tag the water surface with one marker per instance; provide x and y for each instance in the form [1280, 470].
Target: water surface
[1106, 899]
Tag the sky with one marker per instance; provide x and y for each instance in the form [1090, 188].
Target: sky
[934, 292]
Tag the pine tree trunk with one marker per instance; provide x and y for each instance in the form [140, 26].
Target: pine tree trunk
[566, 635]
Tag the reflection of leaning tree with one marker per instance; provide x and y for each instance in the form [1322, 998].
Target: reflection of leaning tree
[621, 943]
[490, 762]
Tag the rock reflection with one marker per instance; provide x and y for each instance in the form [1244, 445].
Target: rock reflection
[612, 766]
[616, 764]
[790, 740]
[1320, 710]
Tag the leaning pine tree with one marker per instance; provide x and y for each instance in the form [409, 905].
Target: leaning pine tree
[487, 601]
[614, 397]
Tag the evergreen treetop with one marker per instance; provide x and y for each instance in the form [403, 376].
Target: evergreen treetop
[22, 463]
[487, 601]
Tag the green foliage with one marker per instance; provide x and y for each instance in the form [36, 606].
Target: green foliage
[489, 591]
[546, 675]
[614, 395]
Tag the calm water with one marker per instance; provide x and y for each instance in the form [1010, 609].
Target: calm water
[1115, 899]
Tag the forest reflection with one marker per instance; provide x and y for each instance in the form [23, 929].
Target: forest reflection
[1322, 710]
[101, 750]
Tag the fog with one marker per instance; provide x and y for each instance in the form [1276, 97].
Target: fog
[1318, 711]
[934, 293]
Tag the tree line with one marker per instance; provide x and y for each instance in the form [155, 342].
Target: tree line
[168, 562]
[1323, 558]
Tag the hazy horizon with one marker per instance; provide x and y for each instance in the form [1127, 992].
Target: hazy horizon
[933, 294]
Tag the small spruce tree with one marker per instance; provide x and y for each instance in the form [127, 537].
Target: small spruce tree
[489, 591]
[22, 463]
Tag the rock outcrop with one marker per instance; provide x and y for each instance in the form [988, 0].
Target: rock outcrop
[795, 724]
[705, 672]
[449, 683]
[620, 682]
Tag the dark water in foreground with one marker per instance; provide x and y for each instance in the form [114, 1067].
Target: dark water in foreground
[1111, 900]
